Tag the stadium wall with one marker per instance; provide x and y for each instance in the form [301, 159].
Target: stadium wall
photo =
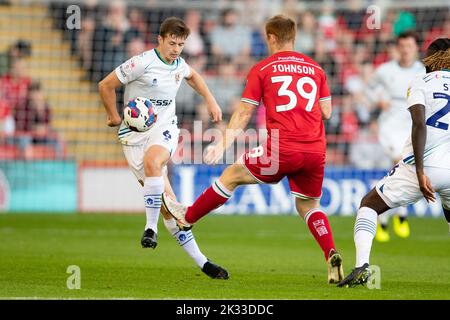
[47, 186]
[62, 187]
[343, 189]
[108, 189]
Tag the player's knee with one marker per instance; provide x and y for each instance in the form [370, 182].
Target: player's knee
[232, 177]
[303, 206]
[367, 200]
[153, 167]
[364, 201]
[374, 201]
[228, 180]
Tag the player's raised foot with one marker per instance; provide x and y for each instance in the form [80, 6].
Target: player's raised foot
[401, 228]
[177, 210]
[382, 234]
[358, 276]
[214, 271]
[149, 239]
[335, 268]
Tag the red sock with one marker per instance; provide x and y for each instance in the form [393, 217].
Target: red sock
[212, 198]
[320, 228]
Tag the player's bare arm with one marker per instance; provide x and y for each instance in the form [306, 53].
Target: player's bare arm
[107, 89]
[326, 109]
[197, 82]
[419, 137]
[238, 122]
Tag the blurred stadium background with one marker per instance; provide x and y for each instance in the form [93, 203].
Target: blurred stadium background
[57, 154]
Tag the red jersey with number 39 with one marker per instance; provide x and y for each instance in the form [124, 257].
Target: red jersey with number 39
[290, 85]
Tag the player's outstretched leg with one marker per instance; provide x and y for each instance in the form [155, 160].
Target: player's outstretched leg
[212, 198]
[187, 241]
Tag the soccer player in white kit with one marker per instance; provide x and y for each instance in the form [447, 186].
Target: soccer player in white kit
[425, 165]
[157, 75]
[388, 89]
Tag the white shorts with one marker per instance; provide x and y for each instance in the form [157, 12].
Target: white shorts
[165, 136]
[400, 186]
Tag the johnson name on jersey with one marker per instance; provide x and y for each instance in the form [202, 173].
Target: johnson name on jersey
[290, 86]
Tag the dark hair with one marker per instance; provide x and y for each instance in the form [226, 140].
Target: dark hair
[225, 12]
[22, 49]
[408, 34]
[174, 26]
[438, 55]
[441, 44]
[35, 86]
[282, 27]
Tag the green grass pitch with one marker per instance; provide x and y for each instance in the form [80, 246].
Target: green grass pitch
[268, 257]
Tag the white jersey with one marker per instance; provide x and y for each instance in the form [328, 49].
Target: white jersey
[432, 91]
[147, 75]
[390, 83]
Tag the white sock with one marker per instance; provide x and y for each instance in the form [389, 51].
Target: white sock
[153, 188]
[187, 241]
[383, 218]
[402, 212]
[365, 229]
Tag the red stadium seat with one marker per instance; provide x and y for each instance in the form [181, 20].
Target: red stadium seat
[8, 152]
[40, 152]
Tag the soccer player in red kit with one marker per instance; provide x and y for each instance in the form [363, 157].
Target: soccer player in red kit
[295, 94]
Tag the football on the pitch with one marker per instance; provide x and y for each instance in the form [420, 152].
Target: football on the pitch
[139, 114]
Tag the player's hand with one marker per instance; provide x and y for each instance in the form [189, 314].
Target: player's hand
[214, 111]
[113, 122]
[426, 188]
[214, 153]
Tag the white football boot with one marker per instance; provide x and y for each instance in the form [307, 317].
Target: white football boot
[177, 210]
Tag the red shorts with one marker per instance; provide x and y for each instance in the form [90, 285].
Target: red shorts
[305, 171]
